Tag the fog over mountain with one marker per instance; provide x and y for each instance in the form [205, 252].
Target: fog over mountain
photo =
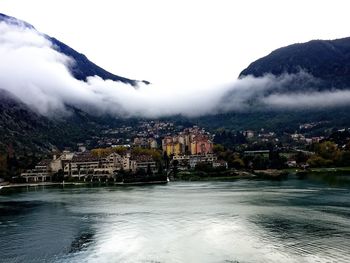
[40, 73]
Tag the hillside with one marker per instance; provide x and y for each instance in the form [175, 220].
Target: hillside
[26, 130]
[83, 67]
[327, 64]
[328, 60]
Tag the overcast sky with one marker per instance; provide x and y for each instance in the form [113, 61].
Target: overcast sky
[182, 41]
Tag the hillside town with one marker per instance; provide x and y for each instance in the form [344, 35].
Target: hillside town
[164, 147]
[188, 147]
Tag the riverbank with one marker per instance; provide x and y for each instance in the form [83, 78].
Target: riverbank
[9, 185]
[227, 175]
[269, 174]
[78, 183]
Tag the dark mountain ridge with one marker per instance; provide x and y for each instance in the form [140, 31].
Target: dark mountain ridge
[26, 130]
[328, 60]
[83, 67]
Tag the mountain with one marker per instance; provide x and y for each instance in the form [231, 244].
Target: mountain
[83, 67]
[327, 64]
[327, 60]
[27, 131]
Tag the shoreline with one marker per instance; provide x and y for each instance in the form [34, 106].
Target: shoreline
[9, 185]
[258, 174]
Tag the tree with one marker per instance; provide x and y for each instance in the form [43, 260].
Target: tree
[149, 170]
[328, 150]
[237, 163]
[218, 148]
[3, 166]
[345, 158]
[58, 177]
[327, 154]
[203, 167]
[260, 162]
[301, 157]
[175, 165]
[276, 160]
[166, 160]
[318, 161]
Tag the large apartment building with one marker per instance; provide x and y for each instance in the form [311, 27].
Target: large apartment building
[85, 164]
[193, 141]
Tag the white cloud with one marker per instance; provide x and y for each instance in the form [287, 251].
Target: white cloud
[37, 74]
[197, 41]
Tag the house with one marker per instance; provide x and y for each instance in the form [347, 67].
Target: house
[220, 164]
[248, 134]
[292, 163]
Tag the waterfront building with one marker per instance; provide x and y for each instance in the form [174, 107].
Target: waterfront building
[190, 161]
[40, 173]
[85, 164]
[195, 159]
[143, 162]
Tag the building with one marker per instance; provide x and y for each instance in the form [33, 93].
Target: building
[195, 159]
[143, 162]
[152, 143]
[86, 164]
[58, 162]
[190, 141]
[220, 164]
[149, 143]
[190, 161]
[201, 145]
[81, 147]
[82, 165]
[40, 173]
[248, 134]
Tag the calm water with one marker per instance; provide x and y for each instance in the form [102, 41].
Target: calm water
[242, 221]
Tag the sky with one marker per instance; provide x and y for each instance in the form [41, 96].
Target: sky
[192, 53]
[194, 42]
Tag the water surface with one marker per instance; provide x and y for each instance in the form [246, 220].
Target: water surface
[241, 221]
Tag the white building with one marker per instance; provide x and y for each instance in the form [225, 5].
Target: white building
[41, 172]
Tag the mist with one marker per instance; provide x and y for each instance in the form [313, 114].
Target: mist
[33, 71]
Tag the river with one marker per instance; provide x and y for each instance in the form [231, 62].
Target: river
[241, 221]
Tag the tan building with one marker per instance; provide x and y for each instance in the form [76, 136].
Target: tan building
[143, 162]
[58, 162]
[85, 164]
[41, 172]
[190, 141]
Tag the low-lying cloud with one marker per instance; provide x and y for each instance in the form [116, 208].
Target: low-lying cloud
[38, 75]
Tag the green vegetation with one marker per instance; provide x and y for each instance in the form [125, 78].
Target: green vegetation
[212, 175]
[11, 165]
[329, 154]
